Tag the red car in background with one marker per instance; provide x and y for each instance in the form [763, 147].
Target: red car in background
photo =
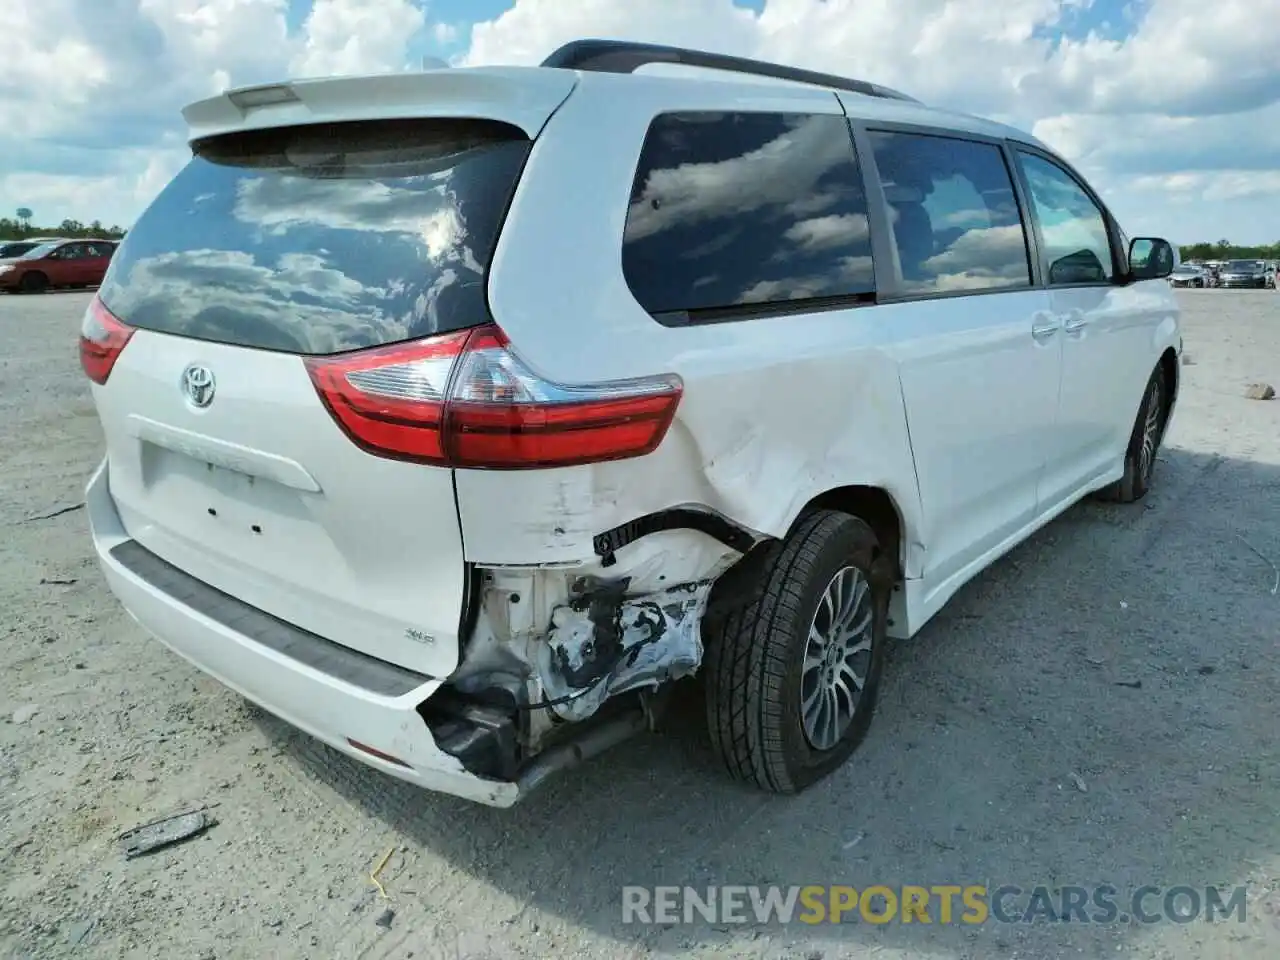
[60, 263]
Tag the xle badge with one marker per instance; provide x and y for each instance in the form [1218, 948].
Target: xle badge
[419, 636]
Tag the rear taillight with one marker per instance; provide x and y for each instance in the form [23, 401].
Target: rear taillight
[467, 400]
[102, 336]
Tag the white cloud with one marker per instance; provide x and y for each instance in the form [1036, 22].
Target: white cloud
[357, 36]
[1172, 89]
[63, 65]
[112, 197]
[1186, 58]
[217, 39]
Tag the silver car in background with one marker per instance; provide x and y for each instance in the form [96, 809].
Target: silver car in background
[1244, 273]
[1189, 275]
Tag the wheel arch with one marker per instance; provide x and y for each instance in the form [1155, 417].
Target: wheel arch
[1171, 375]
[877, 508]
[874, 505]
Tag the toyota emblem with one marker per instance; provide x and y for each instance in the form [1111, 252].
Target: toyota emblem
[198, 384]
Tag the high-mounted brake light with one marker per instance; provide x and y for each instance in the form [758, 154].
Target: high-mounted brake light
[103, 336]
[467, 400]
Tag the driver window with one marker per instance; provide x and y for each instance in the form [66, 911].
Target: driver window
[1076, 244]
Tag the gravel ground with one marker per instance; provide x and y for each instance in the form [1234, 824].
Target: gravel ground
[1099, 707]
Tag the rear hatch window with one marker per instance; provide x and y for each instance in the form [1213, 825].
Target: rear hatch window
[325, 238]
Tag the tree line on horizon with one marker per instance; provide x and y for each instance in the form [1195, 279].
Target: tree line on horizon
[1225, 250]
[11, 229]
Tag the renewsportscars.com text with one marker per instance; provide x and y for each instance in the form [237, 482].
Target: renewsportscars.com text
[936, 904]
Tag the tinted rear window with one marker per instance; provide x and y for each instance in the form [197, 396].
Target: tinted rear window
[322, 239]
[734, 212]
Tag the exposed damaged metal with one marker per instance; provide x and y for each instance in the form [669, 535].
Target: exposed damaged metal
[550, 645]
[605, 644]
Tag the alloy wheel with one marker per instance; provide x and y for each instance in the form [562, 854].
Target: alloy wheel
[1150, 432]
[837, 656]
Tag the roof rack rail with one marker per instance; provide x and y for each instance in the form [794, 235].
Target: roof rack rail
[623, 56]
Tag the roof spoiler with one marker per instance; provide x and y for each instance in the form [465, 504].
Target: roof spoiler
[524, 97]
[623, 56]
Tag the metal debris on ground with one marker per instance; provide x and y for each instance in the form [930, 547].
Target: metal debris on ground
[54, 513]
[58, 582]
[1259, 391]
[373, 874]
[1079, 782]
[1131, 684]
[80, 932]
[165, 833]
[385, 918]
[855, 841]
[1275, 587]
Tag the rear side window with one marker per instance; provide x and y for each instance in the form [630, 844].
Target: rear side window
[956, 225]
[735, 214]
[324, 238]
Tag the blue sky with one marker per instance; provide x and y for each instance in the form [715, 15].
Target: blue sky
[1172, 107]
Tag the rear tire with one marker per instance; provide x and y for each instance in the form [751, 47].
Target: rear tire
[1144, 444]
[34, 283]
[775, 708]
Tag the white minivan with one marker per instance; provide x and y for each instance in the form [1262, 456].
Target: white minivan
[452, 416]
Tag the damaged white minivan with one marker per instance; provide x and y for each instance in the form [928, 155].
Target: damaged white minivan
[452, 416]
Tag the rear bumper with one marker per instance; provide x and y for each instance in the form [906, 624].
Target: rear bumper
[322, 689]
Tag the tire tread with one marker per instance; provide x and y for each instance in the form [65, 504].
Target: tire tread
[747, 660]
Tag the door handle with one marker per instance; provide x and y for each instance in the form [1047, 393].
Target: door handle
[1075, 321]
[1045, 326]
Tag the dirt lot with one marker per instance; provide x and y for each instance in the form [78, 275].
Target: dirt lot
[1100, 707]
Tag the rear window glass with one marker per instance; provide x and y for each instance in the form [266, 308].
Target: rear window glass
[322, 239]
[734, 212]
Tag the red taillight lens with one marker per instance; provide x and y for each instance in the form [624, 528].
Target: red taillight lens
[466, 400]
[103, 336]
[390, 400]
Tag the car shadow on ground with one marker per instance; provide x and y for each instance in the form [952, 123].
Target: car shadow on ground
[1085, 712]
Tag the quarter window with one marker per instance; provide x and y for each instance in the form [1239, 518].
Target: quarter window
[954, 214]
[1077, 248]
[732, 213]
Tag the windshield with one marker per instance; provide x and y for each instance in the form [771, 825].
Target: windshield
[1243, 266]
[14, 249]
[35, 253]
[1187, 269]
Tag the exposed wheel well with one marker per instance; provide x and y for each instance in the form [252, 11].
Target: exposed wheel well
[1169, 372]
[876, 507]
[872, 505]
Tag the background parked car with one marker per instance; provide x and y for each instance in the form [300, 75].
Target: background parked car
[12, 249]
[61, 263]
[1189, 275]
[1244, 273]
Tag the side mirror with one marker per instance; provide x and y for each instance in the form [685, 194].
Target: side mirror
[1150, 258]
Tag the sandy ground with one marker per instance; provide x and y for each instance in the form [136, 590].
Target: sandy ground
[1099, 707]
